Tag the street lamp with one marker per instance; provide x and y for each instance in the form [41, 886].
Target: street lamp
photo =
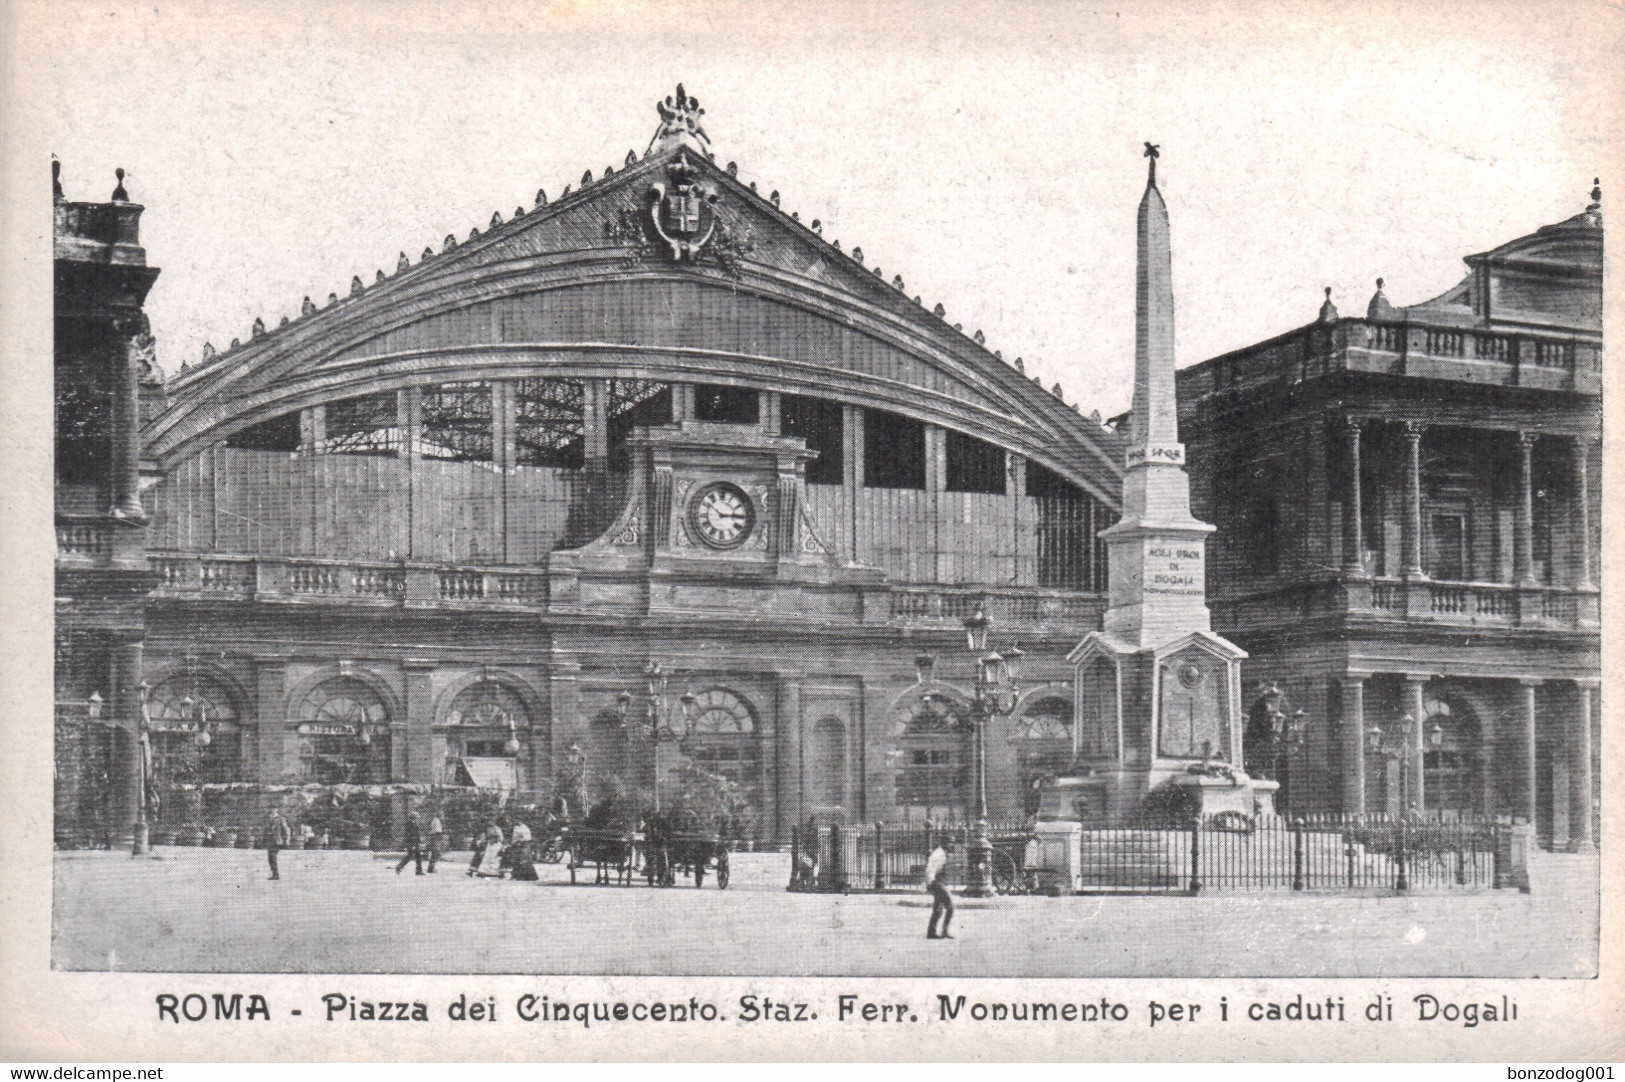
[995, 696]
[141, 834]
[656, 726]
[1407, 753]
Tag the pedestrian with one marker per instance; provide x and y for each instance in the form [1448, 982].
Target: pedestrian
[942, 903]
[277, 836]
[414, 844]
[437, 831]
[488, 853]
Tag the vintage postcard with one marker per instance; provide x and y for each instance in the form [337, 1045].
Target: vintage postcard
[803, 531]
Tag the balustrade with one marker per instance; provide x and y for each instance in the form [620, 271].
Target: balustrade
[86, 540]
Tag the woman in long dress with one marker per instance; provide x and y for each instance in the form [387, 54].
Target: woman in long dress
[490, 863]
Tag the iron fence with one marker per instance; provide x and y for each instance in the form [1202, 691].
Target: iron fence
[1226, 853]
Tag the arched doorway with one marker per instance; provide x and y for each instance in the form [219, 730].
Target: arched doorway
[194, 730]
[1041, 737]
[933, 759]
[1453, 757]
[722, 739]
[486, 726]
[344, 737]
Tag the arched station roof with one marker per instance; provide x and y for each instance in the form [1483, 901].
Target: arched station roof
[593, 285]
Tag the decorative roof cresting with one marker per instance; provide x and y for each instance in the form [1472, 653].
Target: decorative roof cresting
[680, 125]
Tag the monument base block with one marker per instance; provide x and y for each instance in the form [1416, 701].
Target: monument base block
[1124, 798]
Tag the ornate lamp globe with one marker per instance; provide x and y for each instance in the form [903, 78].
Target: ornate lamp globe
[976, 628]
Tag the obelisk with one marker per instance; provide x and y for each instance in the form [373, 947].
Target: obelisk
[1157, 692]
[1157, 549]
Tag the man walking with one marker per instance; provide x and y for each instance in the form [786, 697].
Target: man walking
[942, 903]
[414, 844]
[436, 840]
[277, 836]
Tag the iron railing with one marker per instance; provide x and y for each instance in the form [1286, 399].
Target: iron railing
[1228, 852]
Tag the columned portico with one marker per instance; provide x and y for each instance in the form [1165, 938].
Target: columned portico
[1585, 780]
[1353, 509]
[1413, 500]
[1526, 510]
[1582, 506]
[1529, 722]
[1416, 707]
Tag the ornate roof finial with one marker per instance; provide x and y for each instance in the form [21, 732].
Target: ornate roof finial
[1379, 308]
[1153, 151]
[308, 307]
[586, 178]
[379, 276]
[1594, 211]
[1328, 311]
[119, 194]
[355, 285]
[541, 197]
[258, 328]
[518, 212]
[56, 178]
[680, 124]
[428, 253]
[402, 263]
[496, 218]
[631, 158]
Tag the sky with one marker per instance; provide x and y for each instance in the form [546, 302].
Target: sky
[991, 154]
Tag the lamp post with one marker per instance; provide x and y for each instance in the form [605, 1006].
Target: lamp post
[141, 835]
[1286, 740]
[995, 695]
[1406, 752]
[656, 727]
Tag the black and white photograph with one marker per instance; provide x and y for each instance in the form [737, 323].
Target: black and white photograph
[710, 491]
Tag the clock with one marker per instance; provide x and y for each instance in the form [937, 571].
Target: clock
[721, 515]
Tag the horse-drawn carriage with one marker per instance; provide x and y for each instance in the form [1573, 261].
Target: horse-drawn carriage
[671, 854]
[612, 854]
[663, 853]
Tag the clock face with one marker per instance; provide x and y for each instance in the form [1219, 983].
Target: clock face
[721, 515]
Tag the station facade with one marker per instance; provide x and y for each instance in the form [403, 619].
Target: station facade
[445, 528]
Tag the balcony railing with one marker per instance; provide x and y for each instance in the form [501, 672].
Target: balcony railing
[276, 578]
[932, 606]
[1474, 603]
[195, 576]
[84, 541]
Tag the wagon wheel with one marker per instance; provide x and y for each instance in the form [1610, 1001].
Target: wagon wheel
[1006, 877]
[722, 870]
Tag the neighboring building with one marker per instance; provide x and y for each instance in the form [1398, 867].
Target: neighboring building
[1408, 513]
[105, 376]
[436, 530]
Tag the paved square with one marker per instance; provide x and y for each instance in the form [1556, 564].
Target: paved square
[213, 910]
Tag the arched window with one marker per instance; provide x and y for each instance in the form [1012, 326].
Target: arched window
[343, 733]
[1452, 761]
[722, 736]
[1042, 740]
[934, 757]
[180, 710]
[485, 727]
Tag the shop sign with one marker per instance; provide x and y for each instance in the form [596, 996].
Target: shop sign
[317, 728]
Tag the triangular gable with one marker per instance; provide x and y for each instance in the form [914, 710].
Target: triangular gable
[1207, 641]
